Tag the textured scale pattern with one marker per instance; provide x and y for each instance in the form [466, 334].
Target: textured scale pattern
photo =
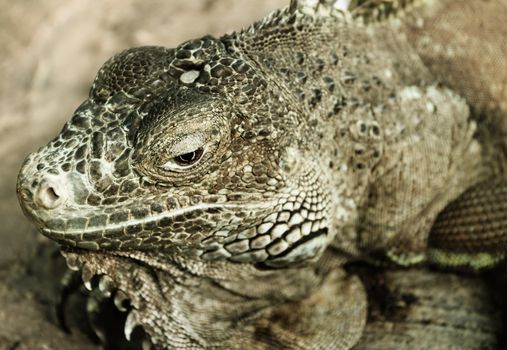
[482, 209]
[203, 184]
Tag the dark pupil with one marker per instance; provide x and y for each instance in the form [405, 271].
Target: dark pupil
[189, 158]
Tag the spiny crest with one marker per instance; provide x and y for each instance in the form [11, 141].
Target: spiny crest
[365, 10]
[342, 5]
[302, 13]
[377, 10]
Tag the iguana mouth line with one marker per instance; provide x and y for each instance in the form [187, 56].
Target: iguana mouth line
[144, 220]
[169, 217]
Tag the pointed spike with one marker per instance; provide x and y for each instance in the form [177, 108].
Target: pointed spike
[93, 310]
[72, 261]
[87, 275]
[106, 285]
[119, 299]
[293, 6]
[88, 285]
[342, 5]
[311, 3]
[130, 323]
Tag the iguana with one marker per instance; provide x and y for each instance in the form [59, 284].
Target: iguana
[218, 188]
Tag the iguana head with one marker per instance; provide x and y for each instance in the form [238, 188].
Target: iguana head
[188, 150]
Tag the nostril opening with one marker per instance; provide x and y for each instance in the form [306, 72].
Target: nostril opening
[50, 195]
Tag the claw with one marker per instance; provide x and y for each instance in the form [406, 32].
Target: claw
[119, 300]
[130, 323]
[72, 261]
[93, 304]
[70, 283]
[106, 285]
[88, 285]
[87, 275]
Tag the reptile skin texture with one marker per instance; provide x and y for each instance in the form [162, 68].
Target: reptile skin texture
[217, 189]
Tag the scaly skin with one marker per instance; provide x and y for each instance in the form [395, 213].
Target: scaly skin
[206, 182]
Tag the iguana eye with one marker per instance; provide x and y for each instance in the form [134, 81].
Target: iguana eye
[189, 158]
[181, 149]
[186, 153]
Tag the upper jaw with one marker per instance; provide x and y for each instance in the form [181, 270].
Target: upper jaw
[123, 228]
[152, 219]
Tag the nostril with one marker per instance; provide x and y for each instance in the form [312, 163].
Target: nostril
[51, 194]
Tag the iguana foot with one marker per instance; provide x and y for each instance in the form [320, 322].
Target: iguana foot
[308, 308]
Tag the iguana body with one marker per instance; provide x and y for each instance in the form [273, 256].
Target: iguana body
[219, 186]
